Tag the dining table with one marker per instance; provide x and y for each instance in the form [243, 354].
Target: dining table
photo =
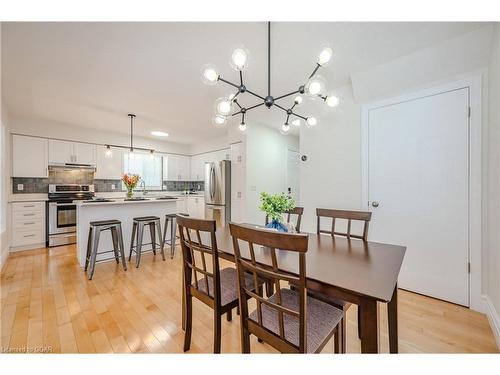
[360, 272]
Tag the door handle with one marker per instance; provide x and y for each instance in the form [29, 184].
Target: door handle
[374, 204]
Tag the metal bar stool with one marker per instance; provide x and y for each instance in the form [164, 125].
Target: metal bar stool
[170, 218]
[137, 233]
[96, 227]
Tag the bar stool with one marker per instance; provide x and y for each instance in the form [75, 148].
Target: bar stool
[170, 218]
[96, 227]
[137, 233]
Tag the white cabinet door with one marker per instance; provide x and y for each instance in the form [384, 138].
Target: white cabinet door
[110, 168]
[200, 203]
[197, 168]
[171, 168]
[29, 156]
[84, 153]
[182, 206]
[61, 152]
[196, 207]
[184, 168]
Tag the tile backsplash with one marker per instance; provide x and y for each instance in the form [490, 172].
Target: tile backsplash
[106, 186]
[30, 185]
[182, 185]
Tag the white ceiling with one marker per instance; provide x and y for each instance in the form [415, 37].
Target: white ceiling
[93, 74]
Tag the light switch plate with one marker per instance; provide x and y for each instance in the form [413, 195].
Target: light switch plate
[20, 187]
[253, 188]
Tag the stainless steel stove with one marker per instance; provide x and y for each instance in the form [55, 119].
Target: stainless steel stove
[61, 212]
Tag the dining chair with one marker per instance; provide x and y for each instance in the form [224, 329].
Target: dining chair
[298, 211]
[217, 288]
[289, 320]
[334, 215]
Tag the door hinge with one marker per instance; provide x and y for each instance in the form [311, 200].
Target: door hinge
[468, 267]
[469, 112]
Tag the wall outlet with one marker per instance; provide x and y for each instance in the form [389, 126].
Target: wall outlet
[113, 186]
[238, 194]
[253, 188]
[20, 187]
[199, 187]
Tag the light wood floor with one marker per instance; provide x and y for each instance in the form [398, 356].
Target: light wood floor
[47, 302]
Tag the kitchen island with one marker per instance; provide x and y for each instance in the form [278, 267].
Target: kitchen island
[117, 209]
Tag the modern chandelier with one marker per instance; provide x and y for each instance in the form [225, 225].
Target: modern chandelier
[314, 87]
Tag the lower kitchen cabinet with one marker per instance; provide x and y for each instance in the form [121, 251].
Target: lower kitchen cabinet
[196, 207]
[28, 224]
[182, 205]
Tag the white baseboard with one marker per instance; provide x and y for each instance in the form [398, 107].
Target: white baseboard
[4, 255]
[493, 318]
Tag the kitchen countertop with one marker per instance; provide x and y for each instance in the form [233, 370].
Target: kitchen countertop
[123, 202]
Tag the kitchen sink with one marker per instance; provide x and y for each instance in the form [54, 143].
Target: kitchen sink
[165, 198]
[137, 199]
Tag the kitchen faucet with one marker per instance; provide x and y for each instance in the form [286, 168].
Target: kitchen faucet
[143, 184]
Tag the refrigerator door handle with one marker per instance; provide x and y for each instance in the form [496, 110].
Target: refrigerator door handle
[212, 181]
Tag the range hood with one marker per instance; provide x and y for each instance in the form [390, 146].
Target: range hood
[71, 167]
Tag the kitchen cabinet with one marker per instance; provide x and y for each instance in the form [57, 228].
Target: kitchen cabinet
[196, 207]
[109, 168]
[29, 156]
[176, 168]
[198, 162]
[62, 152]
[182, 205]
[28, 225]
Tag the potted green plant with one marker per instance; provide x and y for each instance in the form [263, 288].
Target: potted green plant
[274, 206]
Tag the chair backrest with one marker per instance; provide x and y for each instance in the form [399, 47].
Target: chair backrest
[268, 268]
[295, 211]
[194, 259]
[346, 215]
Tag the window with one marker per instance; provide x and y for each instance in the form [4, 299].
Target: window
[149, 169]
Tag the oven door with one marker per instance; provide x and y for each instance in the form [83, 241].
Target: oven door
[62, 217]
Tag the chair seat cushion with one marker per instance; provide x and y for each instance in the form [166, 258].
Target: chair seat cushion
[322, 319]
[228, 285]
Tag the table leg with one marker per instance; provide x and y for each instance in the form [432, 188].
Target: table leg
[392, 309]
[369, 326]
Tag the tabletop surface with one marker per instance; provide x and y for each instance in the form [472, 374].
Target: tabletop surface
[365, 268]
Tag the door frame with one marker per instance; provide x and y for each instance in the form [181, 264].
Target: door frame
[473, 83]
[288, 149]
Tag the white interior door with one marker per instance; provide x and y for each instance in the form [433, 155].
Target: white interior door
[418, 174]
[292, 174]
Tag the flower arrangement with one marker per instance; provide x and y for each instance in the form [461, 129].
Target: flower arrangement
[130, 181]
[274, 206]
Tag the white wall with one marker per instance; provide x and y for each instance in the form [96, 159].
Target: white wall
[4, 175]
[493, 191]
[51, 129]
[265, 166]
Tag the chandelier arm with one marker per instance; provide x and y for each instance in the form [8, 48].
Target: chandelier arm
[234, 97]
[302, 117]
[254, 94]
[229, 83]
[280, 107]
[241, 78]
[236, 113]
[314, 71]
[287, 118]
[238, 104]
[242, 118]
[255, 106]
[284, 96]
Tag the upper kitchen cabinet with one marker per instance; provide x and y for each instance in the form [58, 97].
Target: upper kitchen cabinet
[29, 156]
[109, 167]
[197, 167]
[176, 168]
[62, 152]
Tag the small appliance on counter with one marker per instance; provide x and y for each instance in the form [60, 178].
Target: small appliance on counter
[218, 191]
[61, 212]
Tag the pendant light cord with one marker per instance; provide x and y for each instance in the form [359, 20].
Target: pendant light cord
[269, 58]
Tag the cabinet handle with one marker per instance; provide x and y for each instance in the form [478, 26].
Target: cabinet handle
[32, 205]
[29, 235]
[31, 223]
[28, 214]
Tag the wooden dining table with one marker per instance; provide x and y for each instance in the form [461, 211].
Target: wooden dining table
[360, 272]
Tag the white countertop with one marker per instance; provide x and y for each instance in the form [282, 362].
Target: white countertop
[124, 202]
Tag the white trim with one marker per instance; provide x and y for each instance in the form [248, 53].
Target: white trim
[475, 171]
[493, 318]
[4, 250]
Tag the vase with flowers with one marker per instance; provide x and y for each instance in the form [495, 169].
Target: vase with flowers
[275, 206]
[130, 181]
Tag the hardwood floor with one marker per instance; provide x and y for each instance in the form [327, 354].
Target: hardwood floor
[47, 304]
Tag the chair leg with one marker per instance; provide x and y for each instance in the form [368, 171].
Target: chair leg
[343, 334]
[237, 310]
[95, 247]
[360, 332]
[114, 237]
[152, 234]
[337, 340]
[122, 248]
[165, 231]
[138, 248]
[158, 230]
[89, 249]
[172, 238]
[245, 339]
[229, 315]
[189, 322]
[260, 292]
[132, 239]
[217, 332]
[269, 288]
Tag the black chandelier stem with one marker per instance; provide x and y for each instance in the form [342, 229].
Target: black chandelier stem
[229, 83]
[238, 104]
[280, 107]
[255, 106]
[131, 115]
[314, 71]
[286, 95]
[254, 94]
[269, 58]
[302, 117]
[242, 118]
[241, 78]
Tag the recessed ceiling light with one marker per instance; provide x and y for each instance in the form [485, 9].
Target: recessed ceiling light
[158, 133]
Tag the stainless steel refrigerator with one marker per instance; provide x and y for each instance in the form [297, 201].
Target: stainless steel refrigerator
[218, 191]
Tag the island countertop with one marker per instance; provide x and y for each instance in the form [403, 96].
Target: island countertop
[118, 209]
[115, 201]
